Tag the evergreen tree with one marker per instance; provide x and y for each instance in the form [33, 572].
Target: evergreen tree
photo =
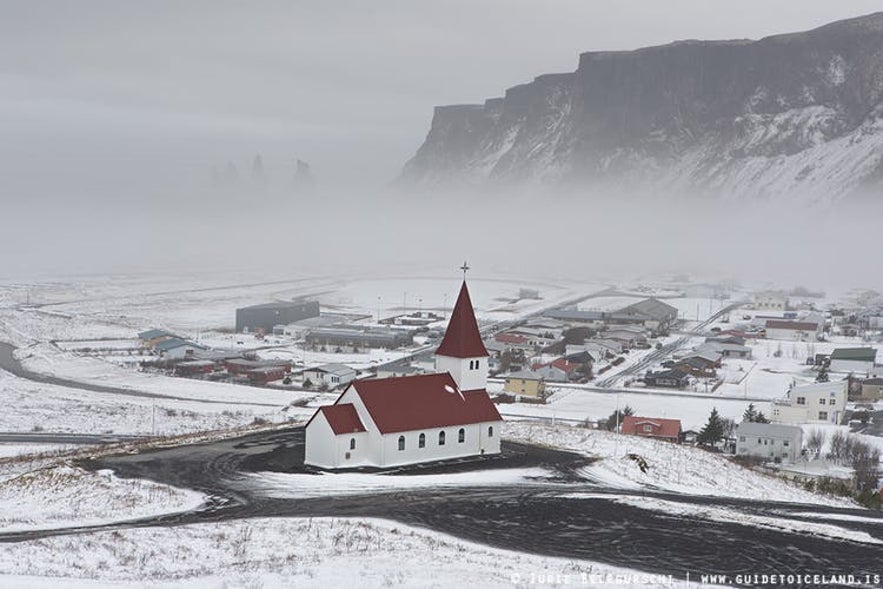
[616, 417]
[750, 414]
[713, 431]
[761, 418]
[822, 376]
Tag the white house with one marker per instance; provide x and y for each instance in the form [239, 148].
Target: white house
[811, 403]
[770, 441]
[855, 360]
[414, 419]
[331, 375]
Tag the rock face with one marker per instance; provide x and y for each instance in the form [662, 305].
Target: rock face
[796, 114]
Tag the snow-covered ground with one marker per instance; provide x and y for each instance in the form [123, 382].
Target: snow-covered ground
[295, 486]
[58, 494]
[673, 467]
[318, 552]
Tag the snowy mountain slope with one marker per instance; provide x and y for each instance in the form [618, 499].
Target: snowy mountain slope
[795, 115]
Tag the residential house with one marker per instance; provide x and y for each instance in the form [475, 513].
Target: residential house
[771, 441]
[331, 375]
[526, 383]
[651, 427]
[151, 337]
[811, 403]
[872, 389]
[177, 349]
[414, 419]
[670, 379]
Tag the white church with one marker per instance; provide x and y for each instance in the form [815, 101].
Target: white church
[413, 419]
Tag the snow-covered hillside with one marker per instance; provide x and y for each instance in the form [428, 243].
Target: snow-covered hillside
[790, 116]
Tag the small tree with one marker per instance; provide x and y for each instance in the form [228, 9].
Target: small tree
[713, 431]
[761, 418]
[308, 384]
[729, 426]
[616, 417]
[814, 442]
[822, 376]
[750, 414]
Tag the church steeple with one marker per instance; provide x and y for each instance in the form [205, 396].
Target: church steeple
[462, 353]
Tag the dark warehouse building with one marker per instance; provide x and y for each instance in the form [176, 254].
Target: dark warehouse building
[265, 317]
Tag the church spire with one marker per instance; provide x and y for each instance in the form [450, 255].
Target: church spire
[462, 338]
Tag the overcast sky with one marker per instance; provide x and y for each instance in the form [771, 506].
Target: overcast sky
[98, 95]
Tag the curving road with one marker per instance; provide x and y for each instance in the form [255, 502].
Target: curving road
[10, 363]
[567, 515]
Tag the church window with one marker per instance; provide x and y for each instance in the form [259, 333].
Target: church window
[401, 442]
[352, 443]
[490, 431]
[461, 435]
[421, 441]
[477, 363]
[441, 438]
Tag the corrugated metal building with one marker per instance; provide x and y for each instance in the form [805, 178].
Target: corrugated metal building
[265, 317]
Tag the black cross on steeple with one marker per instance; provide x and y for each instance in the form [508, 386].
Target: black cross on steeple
[464, 268]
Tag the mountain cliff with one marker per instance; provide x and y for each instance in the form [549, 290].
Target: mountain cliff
[797, 114]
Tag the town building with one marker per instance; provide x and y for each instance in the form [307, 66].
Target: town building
[263, 318]
[859, 361]
[772, 442]
[792, 330]
[352, 338]
[414, 419]
[651, 427]
[653, 313]
[811, 403]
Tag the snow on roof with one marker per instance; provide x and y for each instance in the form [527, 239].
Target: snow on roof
[426, 401]
[342, 418]
[337, 369]
[775, 430]
[462, 337]
[653, 308]
[171, 344]
[154, 333]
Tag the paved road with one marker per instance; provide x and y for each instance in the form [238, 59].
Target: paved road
[10, 364]
[546, 517]
[56, 438]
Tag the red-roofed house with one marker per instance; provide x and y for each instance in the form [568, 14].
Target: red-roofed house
[652, 427]
[413, 419]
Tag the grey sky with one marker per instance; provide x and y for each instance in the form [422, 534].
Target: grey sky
[98, 95]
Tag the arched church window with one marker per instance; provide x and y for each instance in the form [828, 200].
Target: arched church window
[401, 442]
[421, 441]
[352, 443]
[441, 438]
[461, 435]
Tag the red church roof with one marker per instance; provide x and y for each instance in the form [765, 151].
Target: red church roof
[658, 427]
[427, 401]
[462, 338]
[343, 419]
